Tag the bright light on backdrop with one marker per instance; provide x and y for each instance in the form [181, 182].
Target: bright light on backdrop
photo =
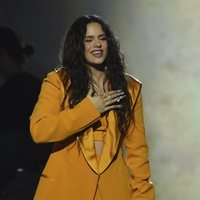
[163, 40]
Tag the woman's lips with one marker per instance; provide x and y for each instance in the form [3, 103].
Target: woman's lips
[97, 53]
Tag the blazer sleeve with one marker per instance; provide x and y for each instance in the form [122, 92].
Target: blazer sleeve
[137, 152]
[49, 123]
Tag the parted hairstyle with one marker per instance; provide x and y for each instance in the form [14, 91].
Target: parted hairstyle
[75, 65]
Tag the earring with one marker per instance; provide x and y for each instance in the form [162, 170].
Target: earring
[106, 68]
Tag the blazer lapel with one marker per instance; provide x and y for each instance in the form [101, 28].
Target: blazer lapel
[110, 146]
[88, 149]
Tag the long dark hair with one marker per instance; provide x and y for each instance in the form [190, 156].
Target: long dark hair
[73, 62]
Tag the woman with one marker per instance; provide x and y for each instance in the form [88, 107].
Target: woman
[92, 110]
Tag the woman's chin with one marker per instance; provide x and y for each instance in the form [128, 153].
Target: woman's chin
[97, 66]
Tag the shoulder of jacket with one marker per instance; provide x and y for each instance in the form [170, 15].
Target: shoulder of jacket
[57, 73]
[57, 69]
[134, 86]
[132, 80]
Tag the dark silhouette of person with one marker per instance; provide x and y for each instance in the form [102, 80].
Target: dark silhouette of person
[21, 159]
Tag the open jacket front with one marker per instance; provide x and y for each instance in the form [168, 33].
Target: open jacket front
[72, 171]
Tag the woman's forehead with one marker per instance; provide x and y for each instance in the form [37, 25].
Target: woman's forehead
[94, 28]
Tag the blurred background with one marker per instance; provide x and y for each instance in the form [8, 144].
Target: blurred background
[161, 43]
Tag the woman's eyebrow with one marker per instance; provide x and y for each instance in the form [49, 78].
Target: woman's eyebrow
[91, 36]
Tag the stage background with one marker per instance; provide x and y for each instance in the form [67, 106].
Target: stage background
[161, 43]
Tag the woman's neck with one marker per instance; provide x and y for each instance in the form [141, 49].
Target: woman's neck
[99, 80]
[97, 76]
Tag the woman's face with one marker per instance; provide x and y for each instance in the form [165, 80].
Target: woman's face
[96, 44]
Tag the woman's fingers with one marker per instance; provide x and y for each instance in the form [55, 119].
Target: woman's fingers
[113, 96]
[107, 101]
[113, 93]
[112, 107]
[114, 100]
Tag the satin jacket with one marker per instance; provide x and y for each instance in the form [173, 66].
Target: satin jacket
[72, 171]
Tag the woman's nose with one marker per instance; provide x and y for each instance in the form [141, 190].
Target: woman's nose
[97, 43]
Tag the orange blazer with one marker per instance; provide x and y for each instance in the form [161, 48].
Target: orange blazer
[72, 171]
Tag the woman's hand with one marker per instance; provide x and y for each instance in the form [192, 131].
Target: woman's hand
[106, 101]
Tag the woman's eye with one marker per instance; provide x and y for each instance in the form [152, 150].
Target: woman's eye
[103, 38]
[87, 40]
